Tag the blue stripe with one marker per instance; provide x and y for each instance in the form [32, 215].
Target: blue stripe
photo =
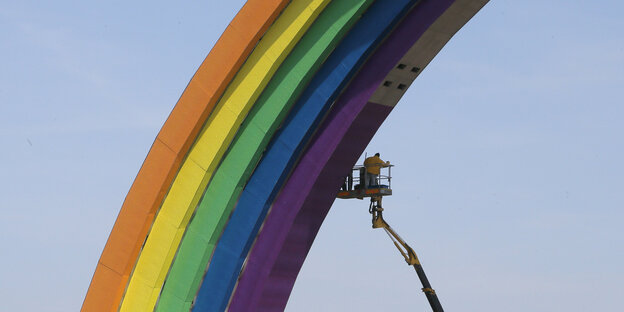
[286, 147]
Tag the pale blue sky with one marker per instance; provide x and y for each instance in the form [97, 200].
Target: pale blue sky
[508, 179]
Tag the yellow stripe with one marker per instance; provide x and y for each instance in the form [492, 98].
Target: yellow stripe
[164, 238]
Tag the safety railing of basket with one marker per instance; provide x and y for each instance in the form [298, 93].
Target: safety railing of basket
[358, 175]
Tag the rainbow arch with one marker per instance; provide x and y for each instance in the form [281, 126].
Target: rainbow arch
[250, 159]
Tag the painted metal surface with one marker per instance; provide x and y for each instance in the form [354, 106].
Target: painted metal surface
[244, 124]
[166, 233]
[267, 114]
[171, 145]
[299, 210]
[289, 142]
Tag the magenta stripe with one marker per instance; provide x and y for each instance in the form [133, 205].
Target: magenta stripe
[299, 210]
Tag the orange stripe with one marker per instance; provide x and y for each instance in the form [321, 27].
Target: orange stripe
[171, 145]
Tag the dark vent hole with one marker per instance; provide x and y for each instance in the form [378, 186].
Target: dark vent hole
[415, 69]
[401, 86]
[401, 66]
[387, 83]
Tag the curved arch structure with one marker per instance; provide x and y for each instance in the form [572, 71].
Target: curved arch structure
[280, 110]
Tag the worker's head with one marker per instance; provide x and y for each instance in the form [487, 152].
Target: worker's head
[377, 154]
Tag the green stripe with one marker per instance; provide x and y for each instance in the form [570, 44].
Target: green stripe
[267, 114]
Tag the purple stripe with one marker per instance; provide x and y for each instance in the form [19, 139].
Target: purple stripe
[299, 210]
[281, 280]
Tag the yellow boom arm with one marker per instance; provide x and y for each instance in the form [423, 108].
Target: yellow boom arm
[406, 251]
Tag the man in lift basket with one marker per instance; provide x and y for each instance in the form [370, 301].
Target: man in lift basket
[373, 165]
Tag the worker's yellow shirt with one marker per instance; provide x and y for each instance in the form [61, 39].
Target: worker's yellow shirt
[373, 164]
